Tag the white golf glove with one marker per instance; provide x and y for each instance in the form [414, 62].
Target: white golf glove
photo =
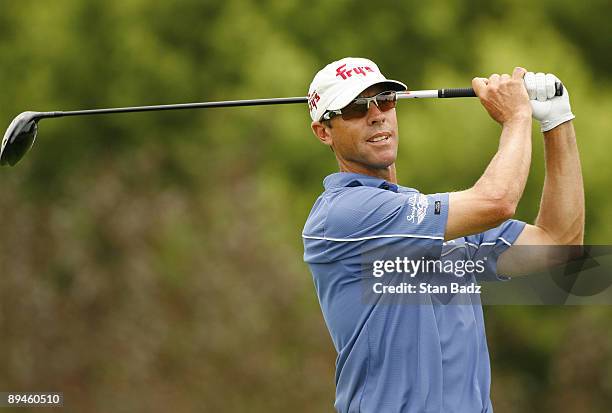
[549, 109]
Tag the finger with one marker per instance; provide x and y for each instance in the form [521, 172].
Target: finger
[530, 84]
[519, 72]
[540, 79]
[494, 80]
[479, 84]
[550, 85]
[505, 77]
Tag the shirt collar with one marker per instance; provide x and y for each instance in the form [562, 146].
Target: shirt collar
[348, 179]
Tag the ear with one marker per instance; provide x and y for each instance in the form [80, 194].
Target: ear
[322, 132]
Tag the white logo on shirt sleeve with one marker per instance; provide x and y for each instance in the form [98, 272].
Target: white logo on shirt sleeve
[418, 203]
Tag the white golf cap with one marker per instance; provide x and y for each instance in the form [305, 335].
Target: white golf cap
[338, 83]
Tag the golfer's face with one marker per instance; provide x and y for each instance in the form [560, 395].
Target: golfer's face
[369, 141]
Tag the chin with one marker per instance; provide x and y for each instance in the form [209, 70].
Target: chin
[384, 161]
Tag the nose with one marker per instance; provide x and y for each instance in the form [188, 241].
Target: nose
[375, 115]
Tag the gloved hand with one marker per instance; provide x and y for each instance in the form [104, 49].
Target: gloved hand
[549, 109]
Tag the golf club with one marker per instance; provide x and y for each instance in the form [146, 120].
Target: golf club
[21, 133]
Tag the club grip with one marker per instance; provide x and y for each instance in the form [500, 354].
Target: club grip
[460, 92]
[468, 92]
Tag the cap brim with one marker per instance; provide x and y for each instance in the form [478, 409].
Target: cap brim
[347, 96]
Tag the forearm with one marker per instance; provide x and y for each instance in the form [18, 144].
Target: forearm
[561, 212]
[507, 173]
[494, 197]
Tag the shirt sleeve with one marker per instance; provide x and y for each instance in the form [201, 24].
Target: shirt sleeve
[364, 218]
[489, 245]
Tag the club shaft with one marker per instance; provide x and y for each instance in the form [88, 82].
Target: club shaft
[217, 104]
[197, 105]
[439, 93]
[434, 93]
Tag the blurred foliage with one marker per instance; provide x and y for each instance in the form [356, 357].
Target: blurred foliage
[153, 262]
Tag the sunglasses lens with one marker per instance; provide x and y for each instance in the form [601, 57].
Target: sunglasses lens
[355, 110]
[359, 107]
[386, 101]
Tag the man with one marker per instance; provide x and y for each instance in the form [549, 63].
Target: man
[431, 357]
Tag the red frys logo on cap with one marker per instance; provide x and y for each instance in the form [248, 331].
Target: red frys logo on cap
[313, 98]
[360, 70]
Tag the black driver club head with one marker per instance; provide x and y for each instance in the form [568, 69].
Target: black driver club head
[19, 137]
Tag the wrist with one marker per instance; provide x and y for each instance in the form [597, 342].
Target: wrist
[562, 129]
[550, 124]
[519, 120]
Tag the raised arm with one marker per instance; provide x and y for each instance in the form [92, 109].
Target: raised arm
[560, 220]
[494, 197]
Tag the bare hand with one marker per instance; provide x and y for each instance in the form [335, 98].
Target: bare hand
[504, 97]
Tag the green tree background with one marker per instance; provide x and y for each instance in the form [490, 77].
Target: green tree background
[153, 262]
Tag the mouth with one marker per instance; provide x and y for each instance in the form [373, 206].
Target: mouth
[380, 138]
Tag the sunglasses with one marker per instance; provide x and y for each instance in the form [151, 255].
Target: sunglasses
[360, 106]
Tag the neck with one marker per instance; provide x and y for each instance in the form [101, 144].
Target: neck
[388, 173]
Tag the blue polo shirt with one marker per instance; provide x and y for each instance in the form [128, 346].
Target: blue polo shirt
[396, 357]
